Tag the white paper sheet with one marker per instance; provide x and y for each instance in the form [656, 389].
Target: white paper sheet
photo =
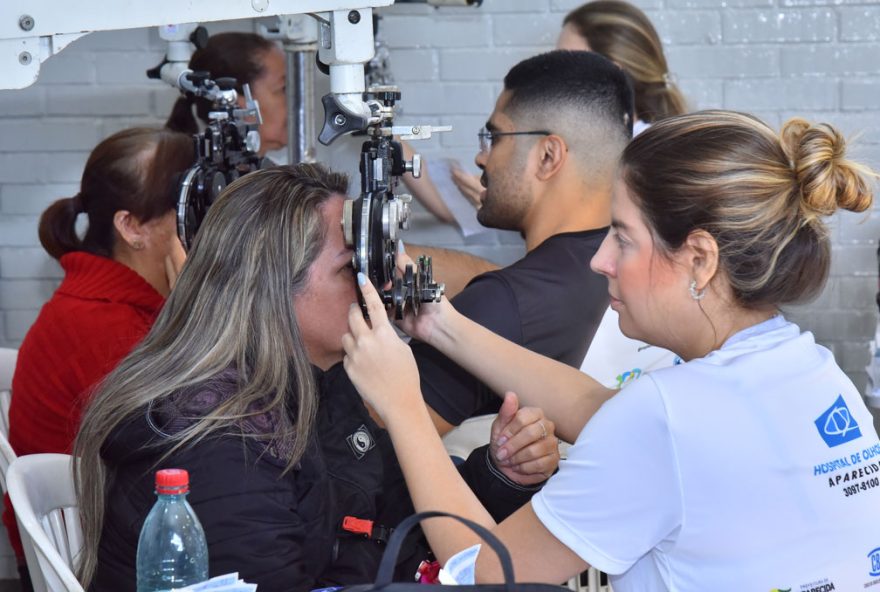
[225, 583]
[463, 210]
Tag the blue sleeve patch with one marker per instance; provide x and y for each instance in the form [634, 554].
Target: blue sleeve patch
[837, 425]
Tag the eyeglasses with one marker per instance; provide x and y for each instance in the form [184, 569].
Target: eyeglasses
[487, 138]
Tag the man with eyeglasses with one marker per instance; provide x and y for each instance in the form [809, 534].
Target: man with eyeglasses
[548, 154]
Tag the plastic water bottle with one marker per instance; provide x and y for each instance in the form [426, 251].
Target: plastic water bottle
[172, 551]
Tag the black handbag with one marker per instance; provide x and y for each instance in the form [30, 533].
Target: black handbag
[389, 560]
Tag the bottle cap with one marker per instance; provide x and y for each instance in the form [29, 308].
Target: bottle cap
[172, 481]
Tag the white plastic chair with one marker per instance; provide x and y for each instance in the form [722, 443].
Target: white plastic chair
[8, 357]
[589, 581]
[7, 457]
[471, 434]
[42, 493]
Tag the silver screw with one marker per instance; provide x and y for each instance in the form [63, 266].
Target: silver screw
[416, 130]
[24, 58]
[26, 22]
[339, 120]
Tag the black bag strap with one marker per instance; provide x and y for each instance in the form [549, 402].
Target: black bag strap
[389, 558]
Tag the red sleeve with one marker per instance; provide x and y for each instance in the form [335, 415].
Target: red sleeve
[69, 349]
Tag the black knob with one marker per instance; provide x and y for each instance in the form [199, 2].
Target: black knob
[337, 121]
[388, 97]
[156, 73]
[226, 83]
[198, 77]
[199, 37]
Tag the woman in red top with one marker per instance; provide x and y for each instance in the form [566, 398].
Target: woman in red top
[116, 278]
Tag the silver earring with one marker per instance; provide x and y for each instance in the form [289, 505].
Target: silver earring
[696, 294]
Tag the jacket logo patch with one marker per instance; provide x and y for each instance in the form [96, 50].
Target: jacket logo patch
[837, 425]
[360, 442]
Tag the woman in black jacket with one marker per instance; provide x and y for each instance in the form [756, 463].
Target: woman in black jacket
[222, 386]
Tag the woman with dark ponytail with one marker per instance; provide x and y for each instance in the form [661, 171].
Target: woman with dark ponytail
[256, 61]
[116, 278]
[250, 59]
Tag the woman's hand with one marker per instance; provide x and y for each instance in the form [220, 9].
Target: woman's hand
[378, 362]
[469, 185]
[524, 446]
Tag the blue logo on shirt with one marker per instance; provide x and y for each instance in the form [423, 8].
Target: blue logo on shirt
[874, 556]
[837, 425]
[626, 377]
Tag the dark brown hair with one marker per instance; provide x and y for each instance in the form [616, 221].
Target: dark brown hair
[552, 83]
[624, 34]
[759, 194]
[131, 170]
[236, 55]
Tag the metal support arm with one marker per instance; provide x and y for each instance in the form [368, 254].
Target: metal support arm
[31, 31]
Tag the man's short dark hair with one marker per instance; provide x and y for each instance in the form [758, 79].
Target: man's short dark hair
[571, 80]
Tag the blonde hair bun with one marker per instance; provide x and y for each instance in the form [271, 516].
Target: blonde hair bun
[827, 180]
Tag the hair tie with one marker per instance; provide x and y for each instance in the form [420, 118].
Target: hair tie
[78, 205]
[667, 80]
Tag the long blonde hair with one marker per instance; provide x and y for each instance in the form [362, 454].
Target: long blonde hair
[761, 195]
[624, 34]
[232, 308]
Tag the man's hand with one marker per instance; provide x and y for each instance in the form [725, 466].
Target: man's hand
[469, 185]
[523, 445]
[431, 314]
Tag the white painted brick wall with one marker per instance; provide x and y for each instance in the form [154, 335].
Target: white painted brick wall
[764, 95]
[830, 60]
[776, 58]
[715, 62]
[748, 26]
[685, 27]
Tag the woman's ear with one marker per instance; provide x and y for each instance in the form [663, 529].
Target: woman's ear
[553, 153]
[701, 257]
[130, 229]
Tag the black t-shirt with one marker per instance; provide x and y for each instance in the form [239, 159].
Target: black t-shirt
[550, 301]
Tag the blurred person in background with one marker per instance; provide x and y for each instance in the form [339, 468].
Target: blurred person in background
[259, 62]
[624, 34]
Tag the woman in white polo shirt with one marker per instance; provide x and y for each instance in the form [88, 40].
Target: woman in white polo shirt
[754, 465]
